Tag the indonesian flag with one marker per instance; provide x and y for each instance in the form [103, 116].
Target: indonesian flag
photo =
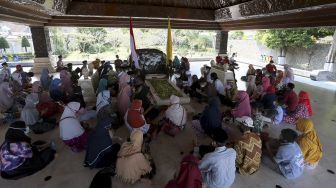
[133, 48]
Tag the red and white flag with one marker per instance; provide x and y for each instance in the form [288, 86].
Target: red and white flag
[133, 47]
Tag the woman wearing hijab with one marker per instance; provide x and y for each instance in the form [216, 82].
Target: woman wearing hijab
[71, 131]
[46, 107]
[301, 111]
[251, 87]
[243, 108]
[100, 151]
[309, 143]
[269, 98]
[175, 117]
[279, 79]
[18, 157]
[288, 75]
[259, 76]
[6, 97]
[266, 82]
[66, 83]
[104, 107]
[176, 63]
[102, 86]
[250, 72]
[304, 99]
[31, 116]
[132, 164]
[45, 79]
[134, 118]
[210, 119]
[36, 87]
[55, 91]
[189, 175]
[124, 95]
[29, 113]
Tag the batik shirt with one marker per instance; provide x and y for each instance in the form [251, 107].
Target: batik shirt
[248, 150]
[13, 155]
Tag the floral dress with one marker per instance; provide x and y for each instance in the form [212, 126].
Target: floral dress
[300, 112]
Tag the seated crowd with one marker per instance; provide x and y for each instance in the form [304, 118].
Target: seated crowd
[239, 133]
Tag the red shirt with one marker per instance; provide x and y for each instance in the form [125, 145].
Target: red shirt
[291, 100]
[271, 68]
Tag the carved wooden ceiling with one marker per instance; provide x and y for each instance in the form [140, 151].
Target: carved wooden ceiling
[184, 14]
[198, 4]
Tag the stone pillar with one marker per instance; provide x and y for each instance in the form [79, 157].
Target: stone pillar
[42, 48]
[222, 42]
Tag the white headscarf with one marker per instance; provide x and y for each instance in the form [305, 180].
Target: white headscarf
[70, 126]
[29, 113]
[176, 113]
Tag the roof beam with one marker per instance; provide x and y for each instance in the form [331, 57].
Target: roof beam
[88, 21]
[145, 11]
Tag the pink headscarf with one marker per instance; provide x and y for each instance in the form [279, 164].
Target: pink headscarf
[266, 82]
[243, 108]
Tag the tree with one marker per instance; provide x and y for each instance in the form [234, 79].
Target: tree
[237, 35]
[58, 42]
[25, 43]
[3, 44]
[91, 40]
[283, 39]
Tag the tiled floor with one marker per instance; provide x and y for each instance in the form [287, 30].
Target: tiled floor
[67, 170]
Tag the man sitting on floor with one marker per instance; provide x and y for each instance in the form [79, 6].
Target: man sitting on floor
[288, 155]
[248, 148]
[218, 167]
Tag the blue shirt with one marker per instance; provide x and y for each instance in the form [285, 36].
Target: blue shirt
[290, 160]
[219, 168]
